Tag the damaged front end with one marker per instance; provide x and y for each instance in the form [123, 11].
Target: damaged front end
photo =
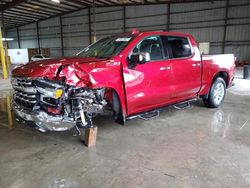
[55, 105]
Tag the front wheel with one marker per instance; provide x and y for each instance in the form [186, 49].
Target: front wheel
[216, 94]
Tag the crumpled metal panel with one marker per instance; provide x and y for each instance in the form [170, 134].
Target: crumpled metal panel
[75, 76]
[47, 68]
[79, 72]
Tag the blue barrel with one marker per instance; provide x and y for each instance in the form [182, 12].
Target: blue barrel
[246, 72]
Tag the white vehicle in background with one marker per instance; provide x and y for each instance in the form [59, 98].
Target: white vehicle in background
[39, 57]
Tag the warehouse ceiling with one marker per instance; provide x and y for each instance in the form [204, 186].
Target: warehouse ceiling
[20, 12]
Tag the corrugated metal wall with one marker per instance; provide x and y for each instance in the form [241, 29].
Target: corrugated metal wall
[204, 20]
[75, 32]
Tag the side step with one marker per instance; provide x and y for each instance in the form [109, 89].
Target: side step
[150, 115]
[156, 113]
[146, 115]
[183, 105]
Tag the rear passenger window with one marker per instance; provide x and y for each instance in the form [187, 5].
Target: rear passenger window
[179, 47]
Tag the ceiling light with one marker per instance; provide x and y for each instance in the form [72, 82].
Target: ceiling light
[56, 1]
[7, 39]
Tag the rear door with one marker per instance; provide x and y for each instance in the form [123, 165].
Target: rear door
[186, 67]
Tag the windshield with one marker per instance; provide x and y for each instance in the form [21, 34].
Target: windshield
[106, 47]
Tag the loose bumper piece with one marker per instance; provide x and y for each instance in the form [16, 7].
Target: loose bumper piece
[44, 121]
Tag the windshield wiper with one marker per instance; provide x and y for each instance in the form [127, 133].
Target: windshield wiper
[102, 57]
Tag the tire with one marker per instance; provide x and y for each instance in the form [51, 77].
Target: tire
[217, 93]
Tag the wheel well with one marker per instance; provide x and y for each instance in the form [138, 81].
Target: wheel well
[116, 102]
[223, 75]
[117, 108]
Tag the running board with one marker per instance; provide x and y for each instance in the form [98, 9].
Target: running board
[149, 115]
[156, 113]
[183, 105]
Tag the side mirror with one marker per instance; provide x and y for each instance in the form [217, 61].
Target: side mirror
[139, 58]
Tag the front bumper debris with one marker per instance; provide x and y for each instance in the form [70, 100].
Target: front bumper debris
[54, 106]
[44, 121]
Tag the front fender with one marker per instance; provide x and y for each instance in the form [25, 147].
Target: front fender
[92, 76]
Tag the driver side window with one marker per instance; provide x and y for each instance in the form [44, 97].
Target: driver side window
[151, 45]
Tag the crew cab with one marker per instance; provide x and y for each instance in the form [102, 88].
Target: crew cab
[126, 74]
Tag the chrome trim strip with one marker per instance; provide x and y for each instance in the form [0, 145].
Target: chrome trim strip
[51, 83]
[31, 90]
[26, 100]
[25, 95]
[46, 92]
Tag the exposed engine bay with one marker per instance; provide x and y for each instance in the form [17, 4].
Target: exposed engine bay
[55, 106]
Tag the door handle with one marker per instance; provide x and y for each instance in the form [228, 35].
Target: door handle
[196, 64]
[165, 68]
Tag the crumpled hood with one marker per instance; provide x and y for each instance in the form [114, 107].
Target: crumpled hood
[77, 71]
[49, 68]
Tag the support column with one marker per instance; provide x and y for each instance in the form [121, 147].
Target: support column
[225, 27]
[124, 19]
[38, 38]
[8, 107]
[3, 26]
[90, 31]
[61, 36]
[94, 24]
[168, 16]
[5, 45]
[18, 37]
[2, 54]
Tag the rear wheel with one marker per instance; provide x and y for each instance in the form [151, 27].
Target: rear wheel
[216, 94]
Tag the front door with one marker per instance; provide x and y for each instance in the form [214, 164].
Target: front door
[148, 85]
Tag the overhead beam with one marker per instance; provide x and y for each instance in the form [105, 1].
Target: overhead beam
[70, 4]
[20, 15]
[80, 3]
[98, 5]
[28, 10]
[105, 2]
[11, 4]
[60, 6]
[48, 6]
[90, 2]
[18, 18]
[139, 3]
[37, 8]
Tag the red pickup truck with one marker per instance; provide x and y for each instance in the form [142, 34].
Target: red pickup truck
[126, 74]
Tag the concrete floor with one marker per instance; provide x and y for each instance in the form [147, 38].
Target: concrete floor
[194, 147]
